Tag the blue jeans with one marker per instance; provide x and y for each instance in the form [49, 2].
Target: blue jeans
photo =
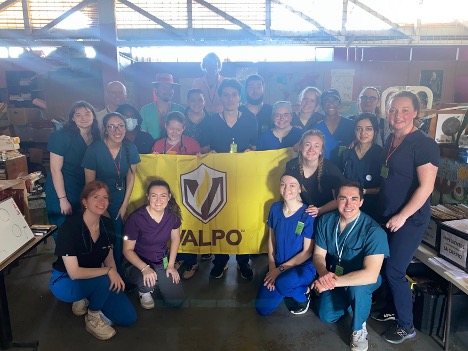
[291, 283]
[116, 306]
[333, 304]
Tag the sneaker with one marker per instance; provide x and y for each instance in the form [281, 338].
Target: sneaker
[206, 257]
[381, 316]
[397, 334]
[218, 271]
[245, 271]
[96, 326]
[190, 271]
[146, 300]
[301, 307]
[359, 340]
[80, 308]
[178, 264]
[105, 319]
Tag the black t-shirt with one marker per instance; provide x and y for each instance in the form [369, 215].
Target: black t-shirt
[74, 239]
[264, 117]
[218, 135]
[330, 180]
[311, 122]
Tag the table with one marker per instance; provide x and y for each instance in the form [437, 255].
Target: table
[424, 254]
[6, 335]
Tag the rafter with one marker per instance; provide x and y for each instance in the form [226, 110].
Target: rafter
[153, 18]
[229, 18]
[63, 16]
[26, 16]
[6, 4]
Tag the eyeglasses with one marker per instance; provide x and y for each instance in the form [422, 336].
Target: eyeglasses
[283, 116]
[113, 127]
[368, 98]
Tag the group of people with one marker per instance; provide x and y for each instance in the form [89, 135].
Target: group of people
[320, 242]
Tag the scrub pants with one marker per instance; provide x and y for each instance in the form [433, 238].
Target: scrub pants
[189, 259]
[115, 306]
[403, 244]
[291, 283]
[222, 259]
[172, 294]
[333, 304]
[118, 229]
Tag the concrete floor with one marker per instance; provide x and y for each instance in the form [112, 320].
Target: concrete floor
[219, 315]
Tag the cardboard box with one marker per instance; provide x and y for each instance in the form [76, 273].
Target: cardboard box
[41, 135]
[454, 242]
[24, 116]
[25, 133]
[432, 235]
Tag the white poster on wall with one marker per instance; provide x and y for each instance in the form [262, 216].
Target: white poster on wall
[14, 231]
[343, 80]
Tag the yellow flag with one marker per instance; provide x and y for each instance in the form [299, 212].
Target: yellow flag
[225, 198]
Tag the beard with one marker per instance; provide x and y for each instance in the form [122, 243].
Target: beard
[253, 101]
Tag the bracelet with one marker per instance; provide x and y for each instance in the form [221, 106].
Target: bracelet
[63, 197]
[109, 270]
[141, 270]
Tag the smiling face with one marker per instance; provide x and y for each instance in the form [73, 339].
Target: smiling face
[83, 117]
[364, 131]
[116, 129]
[368, 101]
[174, 130]
[97, 202]
[254, 92]
[282, 118]
[309, 103]
[401, 114]
[230, 99]
[116, 94]
[349, 202]
[158, 197]
[196, 102]
[164, 91]
[331, 106]
[312, 148]
[289, 188]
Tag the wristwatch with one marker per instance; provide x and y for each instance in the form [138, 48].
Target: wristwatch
[281, 268]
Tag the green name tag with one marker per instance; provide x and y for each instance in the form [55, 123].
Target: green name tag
[165, 262]
[339, 270]
[299, 228]
[384, 171]
[341, 149]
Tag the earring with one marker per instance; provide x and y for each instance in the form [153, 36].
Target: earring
[86, 207]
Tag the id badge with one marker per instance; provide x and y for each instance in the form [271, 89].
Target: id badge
[341, 149]
[339, 271]
[299, 228]
[165, 262]
[384, 171]
[119, 185]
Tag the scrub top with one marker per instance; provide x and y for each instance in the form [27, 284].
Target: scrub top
[342, 137]
[366, 171]
[98, 158]
[152, 123]
[365, 239]
[311, 122]
[72, 147]
[263, 117]
[268, 141]
[218, 135]
[417, 149]
[288, 242]
[330, 180]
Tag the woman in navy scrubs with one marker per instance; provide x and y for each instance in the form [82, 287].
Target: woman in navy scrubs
[411, 159]
[362, 162]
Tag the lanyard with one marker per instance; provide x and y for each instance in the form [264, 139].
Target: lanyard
[391, 153]
[161, 117]
[340, 252]
[211, 90]
[120, 159]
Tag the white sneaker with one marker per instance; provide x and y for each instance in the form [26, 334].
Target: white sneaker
[105, 319]
[96, 326]
[359, 340]
[146, 300]
[80, 308]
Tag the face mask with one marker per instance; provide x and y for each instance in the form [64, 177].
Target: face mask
[131, 123]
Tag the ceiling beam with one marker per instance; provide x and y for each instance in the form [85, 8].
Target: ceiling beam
[6, 4]
[26, 15]
[153, 18]
[231, 19]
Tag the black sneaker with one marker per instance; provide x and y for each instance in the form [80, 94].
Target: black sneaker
[206, 257]
[396, 334]
[245, 271]
[381, 316]
[217, 271]
[301, 307]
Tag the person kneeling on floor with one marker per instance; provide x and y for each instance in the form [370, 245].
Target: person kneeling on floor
[349, 251]
[85, 272]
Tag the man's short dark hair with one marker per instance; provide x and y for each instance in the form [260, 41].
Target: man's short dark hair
[252, 78]
[230, 83]
[351, 184]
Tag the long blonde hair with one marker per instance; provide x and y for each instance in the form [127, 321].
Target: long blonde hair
[317, 133]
